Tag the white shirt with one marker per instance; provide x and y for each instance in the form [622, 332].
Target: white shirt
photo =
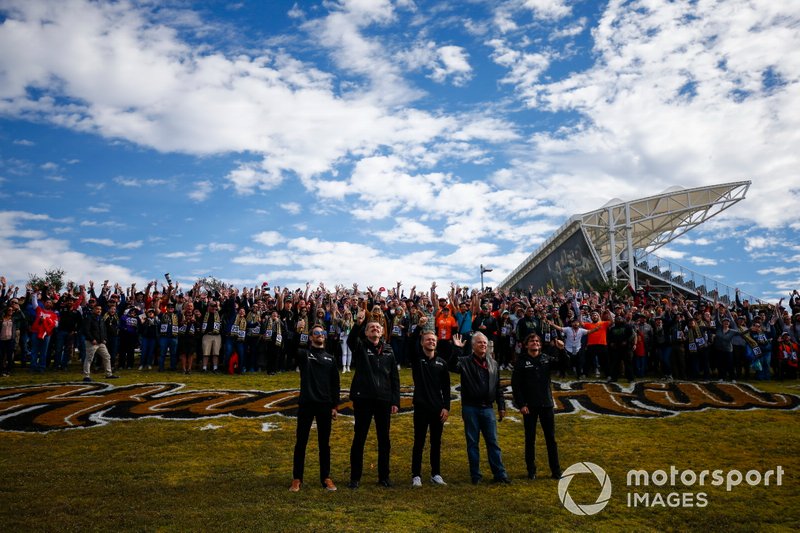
[572, 339]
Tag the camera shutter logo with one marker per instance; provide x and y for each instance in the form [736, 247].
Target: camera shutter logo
[602, 499]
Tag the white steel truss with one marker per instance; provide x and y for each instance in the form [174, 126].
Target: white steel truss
[619, 232]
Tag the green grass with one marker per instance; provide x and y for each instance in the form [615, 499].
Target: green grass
[162, 475]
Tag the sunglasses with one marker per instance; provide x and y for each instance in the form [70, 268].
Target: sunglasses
[318, 333]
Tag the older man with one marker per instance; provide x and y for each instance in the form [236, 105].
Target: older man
[375, 393]
[480, 389]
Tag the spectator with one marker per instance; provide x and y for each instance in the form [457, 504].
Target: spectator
[94, 331]
[168, 332]
[480, 389]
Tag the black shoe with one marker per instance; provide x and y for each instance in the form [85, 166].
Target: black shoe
[353, 484]
[557, 475]
[476, 480]
[505, 480]
[532, 475]
[87, 380]
[386, 483]
[112, 376]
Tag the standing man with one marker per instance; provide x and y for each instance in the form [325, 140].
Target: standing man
[94, 331]
[530, 384]
[431, 403]
[375, 392]
[319, 399]
[168, 337]
[480, 388]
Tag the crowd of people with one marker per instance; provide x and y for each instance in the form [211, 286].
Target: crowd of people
[635, 334]
[476, 334]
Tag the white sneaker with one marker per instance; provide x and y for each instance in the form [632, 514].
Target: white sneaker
[141, 367]
[437, 479]
[416, 481]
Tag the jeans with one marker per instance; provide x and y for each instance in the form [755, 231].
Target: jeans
[640, 364]
[424, 418]
[148, 346]
[364, 411]
[477, 421]
[39, 352]
[306, 413]
[171, 344]
[64, 347]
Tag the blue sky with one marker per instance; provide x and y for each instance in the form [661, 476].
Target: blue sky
[377, 140]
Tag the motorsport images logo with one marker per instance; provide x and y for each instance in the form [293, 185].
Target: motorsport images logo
[586, 509]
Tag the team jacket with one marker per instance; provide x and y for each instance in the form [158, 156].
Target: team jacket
[376, 376]
[431, 378]
[319, 377]
[530, 382]
[474, 392]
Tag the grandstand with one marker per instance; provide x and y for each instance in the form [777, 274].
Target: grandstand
[618, 243]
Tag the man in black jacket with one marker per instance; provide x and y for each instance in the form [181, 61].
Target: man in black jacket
[530, 384]
[319, 399]
[431, 401]
[94, 331]
[480, 388]
[375, 392]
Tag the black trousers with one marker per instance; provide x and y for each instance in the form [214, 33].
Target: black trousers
[364, 411]
[547, 418]
[425, 418]
[306, 414]
[617, 356]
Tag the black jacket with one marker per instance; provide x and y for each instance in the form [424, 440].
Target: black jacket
[431, 378]
[376, 376]
[94, 329]
[473, 391]
[319, 377]
[530, 382]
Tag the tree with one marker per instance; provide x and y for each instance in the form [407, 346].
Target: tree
[53, 278]
[212, 284]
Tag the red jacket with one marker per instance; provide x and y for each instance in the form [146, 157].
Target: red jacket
[45, 322]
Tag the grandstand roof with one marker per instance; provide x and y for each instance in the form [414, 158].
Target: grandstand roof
[654, 221]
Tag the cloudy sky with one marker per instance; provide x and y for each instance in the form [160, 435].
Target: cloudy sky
[380, 140]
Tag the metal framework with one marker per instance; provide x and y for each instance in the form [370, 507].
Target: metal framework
[626, 230]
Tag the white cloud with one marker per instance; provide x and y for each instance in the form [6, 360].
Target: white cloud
[201, 190]
[671, 84]
[548, 9]
[292, 208]
[37, 255]
[24, 142]
[112, 244]
[408, 230]
[269, 238]
[222, 247]
[134, 182]
[703, 261]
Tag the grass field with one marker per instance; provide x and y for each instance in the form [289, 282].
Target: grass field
[178, 475]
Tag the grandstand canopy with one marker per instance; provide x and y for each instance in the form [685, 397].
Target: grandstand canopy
[622, 230]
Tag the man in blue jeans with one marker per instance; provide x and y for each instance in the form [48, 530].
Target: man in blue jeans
[480, 388]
